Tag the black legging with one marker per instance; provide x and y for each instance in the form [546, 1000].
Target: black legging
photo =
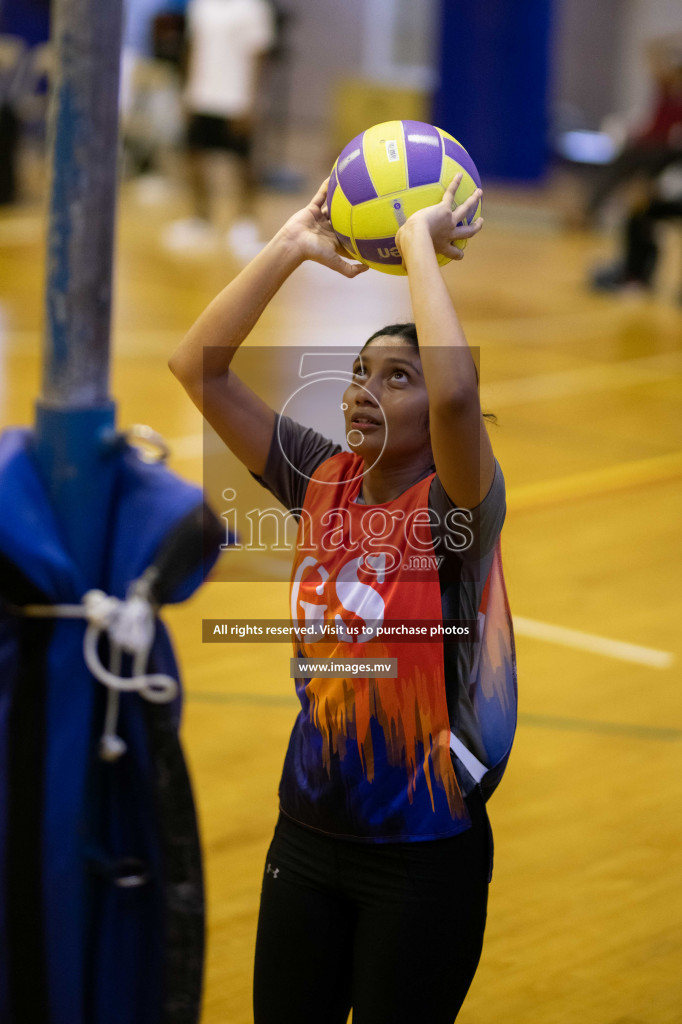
[641, 244]
[393, 930]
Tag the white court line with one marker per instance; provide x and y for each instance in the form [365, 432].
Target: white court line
[542, 386]
[583, 380]
[578, 640]
[557, 330]
[190, 446]
[539, 388]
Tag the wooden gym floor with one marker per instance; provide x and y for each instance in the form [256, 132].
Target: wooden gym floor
[585, 916]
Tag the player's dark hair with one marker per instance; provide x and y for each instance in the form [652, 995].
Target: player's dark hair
[408, 332]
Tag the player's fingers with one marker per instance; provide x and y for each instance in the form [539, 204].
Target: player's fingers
[347, 269]
[321, 194]
[454, 252]
[469, 205]
[449, 194]
[469, 230]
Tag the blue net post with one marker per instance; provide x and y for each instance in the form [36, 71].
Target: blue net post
[75, 414]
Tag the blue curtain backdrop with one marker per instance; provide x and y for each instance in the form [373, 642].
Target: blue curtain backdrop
[29, 19]
[494, 79]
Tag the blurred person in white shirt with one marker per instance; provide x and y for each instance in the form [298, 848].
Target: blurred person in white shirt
[227, 40]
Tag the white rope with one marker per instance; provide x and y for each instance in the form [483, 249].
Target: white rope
[130, 626]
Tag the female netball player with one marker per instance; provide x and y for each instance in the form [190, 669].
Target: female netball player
[375, 887]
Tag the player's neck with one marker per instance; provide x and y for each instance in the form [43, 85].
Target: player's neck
[385, 483]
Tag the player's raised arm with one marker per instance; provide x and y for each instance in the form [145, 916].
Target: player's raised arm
[461, 447]
[202, 360]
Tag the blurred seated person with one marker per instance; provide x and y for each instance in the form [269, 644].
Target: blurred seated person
[658, 143]
[227, 40]
[634, 270]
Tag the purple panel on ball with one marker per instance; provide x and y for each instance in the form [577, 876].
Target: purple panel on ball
[331, 189]
[346, 243]
[424, 153]
[379, 250]
[353, 174]
[460, 155]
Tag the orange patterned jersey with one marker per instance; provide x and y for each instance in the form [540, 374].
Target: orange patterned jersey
[371, 757]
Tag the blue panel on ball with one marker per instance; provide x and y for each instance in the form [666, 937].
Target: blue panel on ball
[379, 250]
[346, 242]
[423, 147]
[353, 175]
[460, 155]
[331, 188]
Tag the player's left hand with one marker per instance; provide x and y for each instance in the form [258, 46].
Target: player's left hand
[312, 236]
[445, 225]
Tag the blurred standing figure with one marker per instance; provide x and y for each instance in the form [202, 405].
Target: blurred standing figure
[227, 40]
[658, 143]
[656, 149]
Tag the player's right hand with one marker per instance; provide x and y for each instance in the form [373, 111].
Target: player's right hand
[447, 224]
[311, 234]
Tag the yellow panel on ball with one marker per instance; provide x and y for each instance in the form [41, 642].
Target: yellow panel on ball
[383, 147]
[466, 186]
[374, 224]
[384, 176]
[377, 218]
[340, 213]
[413, 199]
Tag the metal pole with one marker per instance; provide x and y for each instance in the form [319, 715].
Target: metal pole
[75, 412]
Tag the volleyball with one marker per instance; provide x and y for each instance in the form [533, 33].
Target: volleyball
[387, 173]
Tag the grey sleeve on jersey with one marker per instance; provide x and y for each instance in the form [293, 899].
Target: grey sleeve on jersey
[295, 453]
[482, 523]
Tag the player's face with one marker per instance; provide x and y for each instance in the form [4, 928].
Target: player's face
[387, 402]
